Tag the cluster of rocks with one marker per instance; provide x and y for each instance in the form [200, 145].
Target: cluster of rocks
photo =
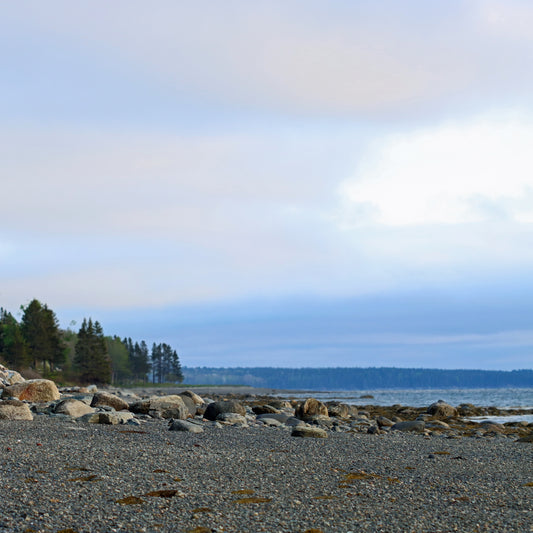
[186, 411]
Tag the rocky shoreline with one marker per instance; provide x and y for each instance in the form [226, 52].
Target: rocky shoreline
[80, 460]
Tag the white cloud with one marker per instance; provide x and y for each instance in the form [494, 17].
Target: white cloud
[455, 173]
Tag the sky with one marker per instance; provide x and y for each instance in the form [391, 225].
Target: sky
[274, 183]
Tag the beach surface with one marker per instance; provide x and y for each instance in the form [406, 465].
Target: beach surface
[62, 475]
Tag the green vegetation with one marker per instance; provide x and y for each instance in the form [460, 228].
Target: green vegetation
[359, 378]
[37, 344]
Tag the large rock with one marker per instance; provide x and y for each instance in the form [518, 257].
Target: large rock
[416, 426]
[102, 399]
[33, 390]
[339, 410]
[14, 410]
[307, 431]
[72, 407]
[184, 425]
[193, 396]
[311, 408]
[441, 409]
[171, 406]
[109, 417]
[227, 406]
[189, 403]
[9, 377]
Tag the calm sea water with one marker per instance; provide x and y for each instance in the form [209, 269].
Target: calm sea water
[501, 398]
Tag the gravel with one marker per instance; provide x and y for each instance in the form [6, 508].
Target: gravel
[59, 475]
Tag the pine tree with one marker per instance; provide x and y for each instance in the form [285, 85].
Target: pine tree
[40, 329]
[91, 361]
[13, 349]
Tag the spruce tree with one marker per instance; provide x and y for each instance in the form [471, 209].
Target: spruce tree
[13, 350]
[40, 329]
[91, 361]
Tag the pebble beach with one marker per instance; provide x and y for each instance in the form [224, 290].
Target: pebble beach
[245, 470]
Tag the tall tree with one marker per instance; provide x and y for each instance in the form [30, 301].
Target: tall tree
[120, 360]
[13, 348]
[40, 329]
[91, 360]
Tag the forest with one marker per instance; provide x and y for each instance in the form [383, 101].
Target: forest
[328, 379]
[37, 346]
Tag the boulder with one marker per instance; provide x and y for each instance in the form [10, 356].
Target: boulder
[416, 426]
[171, 406]
[441, 409]
[109, 418]
[310, 408]
[14, 410]
[264, 409]
[189, 403]
[383, 421]
[193, 396]
[184, 425]
[102, 399]
[307, 431]
[232, 419]
[339, 410]
[72, 407]
[33, 390]
[9, 377]
[227, 406]
[526, 438]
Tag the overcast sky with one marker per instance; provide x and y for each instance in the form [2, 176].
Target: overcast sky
[161, 161]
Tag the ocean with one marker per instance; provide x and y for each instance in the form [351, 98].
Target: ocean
[520, 398]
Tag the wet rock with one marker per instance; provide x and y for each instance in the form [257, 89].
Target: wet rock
[101, 399]
[14, 410]
[33, 390]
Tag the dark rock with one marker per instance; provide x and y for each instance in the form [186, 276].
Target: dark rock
[226, 406]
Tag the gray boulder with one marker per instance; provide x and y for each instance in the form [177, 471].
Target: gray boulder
[416, 426]
[227, 406]
[184, 425]
[72, 407]
[102, 399]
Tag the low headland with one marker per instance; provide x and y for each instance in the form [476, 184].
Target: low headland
[215, 459]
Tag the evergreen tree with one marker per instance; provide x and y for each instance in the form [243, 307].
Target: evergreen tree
[40, 329]
[13, 349]
[91, 361]
[120, 360]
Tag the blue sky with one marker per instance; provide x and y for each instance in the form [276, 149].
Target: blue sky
[274, 183]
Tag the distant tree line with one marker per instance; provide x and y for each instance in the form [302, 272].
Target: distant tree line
[358, 378]
[87, 356]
